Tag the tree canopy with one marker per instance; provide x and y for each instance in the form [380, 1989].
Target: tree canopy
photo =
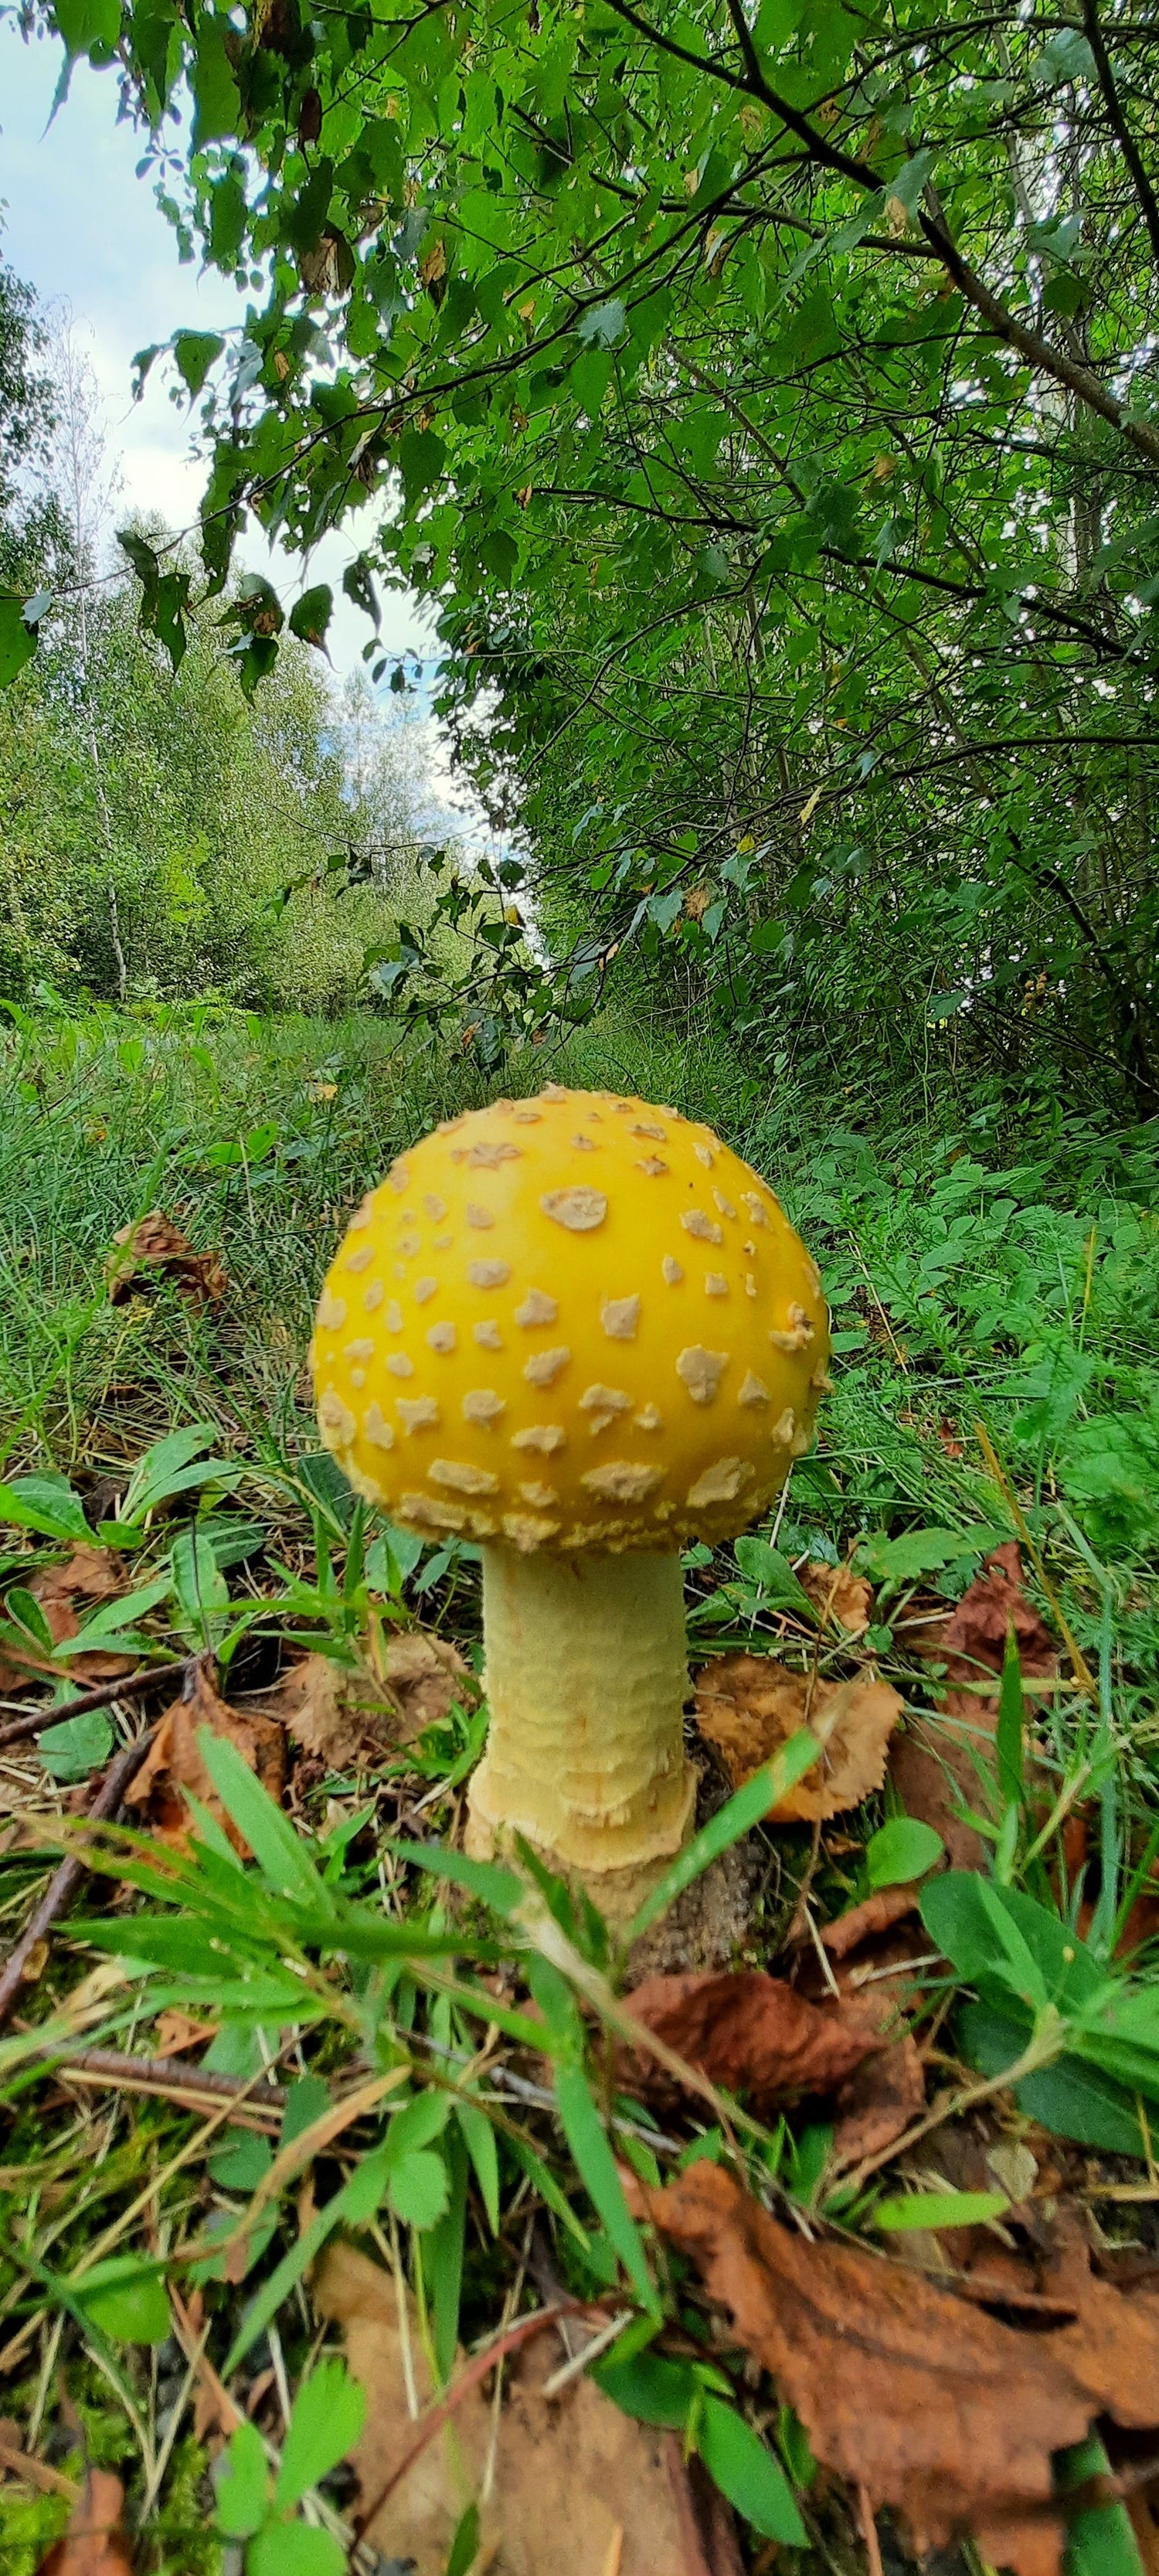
[765, 399]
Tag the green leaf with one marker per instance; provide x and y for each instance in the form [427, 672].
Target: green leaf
[311, 614]
[241, 2162]
[244, 2484]
[421, 456]
[353, 2205]
[464, 2548]
[898, 1561]
[127, 2299]
[939, 2209]
[282, 1858]
[46, 1504]
[747, 2473]
[653, 2389]
[773, 1576]
[417, 2188]
[486, 1879]
[85, 23]
[329, 2413]
[1100, 2540]
[443, 2251]
[596, 2167]
[26, 1613]
[484, 2155]
[746, 1808]
[1069, 2098]
[195, 353]
[17, 640]
[1008, 1734]
[73, 1749]
[603, 324]
[213, 85]
[902, 1850]
[294, 2549]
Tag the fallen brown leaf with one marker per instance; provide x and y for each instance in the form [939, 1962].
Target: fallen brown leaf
[748, 1706]
[745, 2030]
[173, 1763]
[932, 2406]
[87, 1577]
[567, 2471]
[866, 1922]
[96, 2542]
[347, 1721]
[878, 2102]
[844, 1599]
[154, 1248]
[940, 1764]
[174, 2033]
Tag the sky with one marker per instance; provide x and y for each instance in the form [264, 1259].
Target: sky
[81, 228]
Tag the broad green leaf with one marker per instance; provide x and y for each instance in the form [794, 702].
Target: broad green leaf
[1100, 2540]
[306, 2101]
[897, 1561]
[46, 1504]
[244, 2484]
[653, 2389]
[25, 1611]
[1070, 2098]
[17, 640]
[596, 2167]
[311, 614]
[295, 2549]
[85, 23]
[771, 1574]
[901, 1850]
[212, 82]
[747, 2472]
[328, 2416]
[195, 353]
[418, 2123]
[939, 2209]
[242, 2161]
[73, 1749]
[126, 2297]
[417, 2187]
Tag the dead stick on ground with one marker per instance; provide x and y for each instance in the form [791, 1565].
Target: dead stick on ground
[62, 1886]
[129, 1688]
[185, 2084]
[869, 2531]
[477, 2369]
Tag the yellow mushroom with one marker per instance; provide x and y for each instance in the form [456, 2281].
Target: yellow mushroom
[569, 1344]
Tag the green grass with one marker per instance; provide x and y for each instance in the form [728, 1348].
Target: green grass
[995, 1307]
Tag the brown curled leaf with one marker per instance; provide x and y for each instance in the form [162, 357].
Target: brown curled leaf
[173, 1763]
[154, 1248]
[747, 2031]
[932, 2406]
[749, 1705]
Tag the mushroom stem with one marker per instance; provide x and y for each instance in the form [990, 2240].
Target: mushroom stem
[586, 1678]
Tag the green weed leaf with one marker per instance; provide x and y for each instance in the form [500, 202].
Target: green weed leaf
[127, 2299]
[740, 2464]
[596, 2167]
[329, 2413]
[244, 2485]
[902, 1850]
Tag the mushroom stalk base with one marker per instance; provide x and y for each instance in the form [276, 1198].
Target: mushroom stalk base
[586, 1678]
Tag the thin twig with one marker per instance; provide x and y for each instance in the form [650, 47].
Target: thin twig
[62, 1886]
[129, 1688]
[190, 2086]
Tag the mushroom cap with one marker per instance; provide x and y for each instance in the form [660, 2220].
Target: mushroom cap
[574, 1321]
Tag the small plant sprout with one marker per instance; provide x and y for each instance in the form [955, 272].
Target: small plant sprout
[578, 1330]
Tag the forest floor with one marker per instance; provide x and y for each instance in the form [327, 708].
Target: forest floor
[363, 2207]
